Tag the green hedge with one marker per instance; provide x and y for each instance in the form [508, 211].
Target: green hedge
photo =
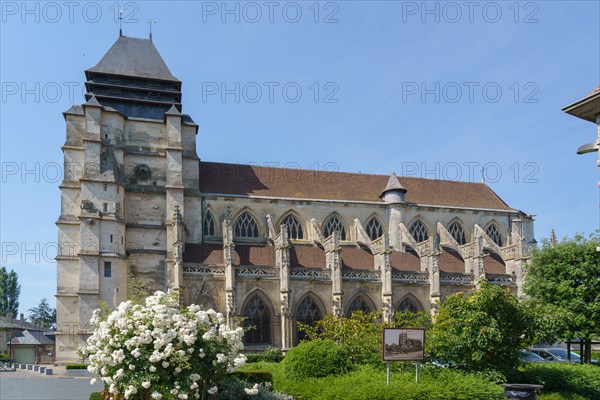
[4, 355]
[253, 376]
[369, 383]
[254, 358]
[96, 396]
[76, 366]
[574, 379]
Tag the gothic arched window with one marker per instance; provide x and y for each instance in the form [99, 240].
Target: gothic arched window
[308, 313]
[418, 230]
[408, 304]
[458, 233]
[358, 304]
[334, 224]
[294, 227]
[246, 226]
[258, 317]
[374, 229]
[208, 224]
[494, 233]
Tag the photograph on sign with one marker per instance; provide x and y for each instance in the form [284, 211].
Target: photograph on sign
[403, 344]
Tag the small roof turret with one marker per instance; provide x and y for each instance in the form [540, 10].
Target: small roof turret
[393, 184]
[394, 191]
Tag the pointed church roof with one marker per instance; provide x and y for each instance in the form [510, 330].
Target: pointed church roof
[134, 57]
[93, 102]
[173, 111]
[393, 184]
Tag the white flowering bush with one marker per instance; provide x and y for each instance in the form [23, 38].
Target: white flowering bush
[160, 351]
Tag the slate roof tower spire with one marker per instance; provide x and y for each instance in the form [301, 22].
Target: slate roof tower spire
[133, 78]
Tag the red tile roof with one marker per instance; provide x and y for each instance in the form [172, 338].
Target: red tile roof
[494, 265]
[249, 180]
[357, 258]
[212, 254]
[307, 257]
[451, 262]
[405, 261]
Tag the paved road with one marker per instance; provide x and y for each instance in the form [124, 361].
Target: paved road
[24, 385]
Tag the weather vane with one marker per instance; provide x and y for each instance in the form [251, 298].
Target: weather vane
[121, 8]
[152, 22]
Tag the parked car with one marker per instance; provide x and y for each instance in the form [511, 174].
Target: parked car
[530, 357]
[558, 355]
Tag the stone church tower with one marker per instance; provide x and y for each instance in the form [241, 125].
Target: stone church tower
[130, 162]
[273, 245]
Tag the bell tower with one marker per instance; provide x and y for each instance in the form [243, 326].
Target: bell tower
[128, 198]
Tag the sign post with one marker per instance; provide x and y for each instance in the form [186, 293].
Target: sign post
[401, 344]
[417, 373]
[388, 373]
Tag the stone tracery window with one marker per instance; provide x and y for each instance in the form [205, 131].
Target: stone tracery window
[294, 227]
[208, 225]
[418, 230]
[204, 297]
[246, 226]
[334, 224]
[308, 313]
[408, 304]
[457, 232]
[258, 317]
[374, 229]
[494, 233]
[358, 304]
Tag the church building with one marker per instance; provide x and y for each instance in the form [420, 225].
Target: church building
[276, 246]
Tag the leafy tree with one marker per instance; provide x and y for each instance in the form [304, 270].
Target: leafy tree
[566, 277]
[137, 290]
[10, 289]
[361, 333]
[43, 314]
[483, 329]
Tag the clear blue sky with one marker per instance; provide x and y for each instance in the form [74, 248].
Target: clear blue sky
[436, 89]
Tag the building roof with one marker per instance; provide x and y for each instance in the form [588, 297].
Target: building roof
[11, 323]
[250, 180]
[31, 337]
[586, 108]
[134, 57]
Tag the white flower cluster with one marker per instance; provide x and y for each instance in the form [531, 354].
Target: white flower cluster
[172, 353]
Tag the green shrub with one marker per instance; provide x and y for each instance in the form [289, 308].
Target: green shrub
[361, 333]
[574, 379]
[369, 383]
[96, 396]
[315, 359]
[253, 376]
[254, 358]
[4, 355]
[76, 366]
[271, 354]
[482, 329]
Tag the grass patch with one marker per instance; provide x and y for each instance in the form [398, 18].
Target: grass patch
[76, 366]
